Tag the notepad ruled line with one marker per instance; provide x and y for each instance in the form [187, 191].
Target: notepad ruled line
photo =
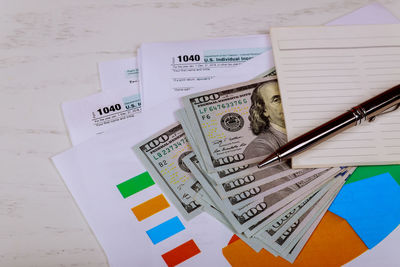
[312, 119]
[393, 153]
[347, 147]
[391, 138]
[329, 89]
[380, 55]
[366, 38]
[323, 104]
[318, 63]
[345, 155]
[383, 68]
[322, 56]
[383, 81]
[319, 69]
[349, 140]
[319, 76]
[310, 127]
[394, 115]
[389, 123]
[390, 131]
[310, 83]
[322, 97]
[384, 74]
[382, 61]
[310, 111]
[375, 88]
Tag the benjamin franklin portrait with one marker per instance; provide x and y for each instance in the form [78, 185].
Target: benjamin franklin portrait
[267, 123]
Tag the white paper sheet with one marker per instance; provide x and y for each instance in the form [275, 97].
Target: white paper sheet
[175, 69]
[93, 169]
[97, 113]
[119, 74]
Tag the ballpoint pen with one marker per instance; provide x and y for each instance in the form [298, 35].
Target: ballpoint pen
[385, 102]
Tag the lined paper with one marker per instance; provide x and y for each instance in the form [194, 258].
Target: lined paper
[325, 71]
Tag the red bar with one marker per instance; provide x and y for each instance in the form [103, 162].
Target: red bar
[233, 239]
[181, 253]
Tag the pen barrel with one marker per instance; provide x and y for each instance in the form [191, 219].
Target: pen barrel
[378, 104]
[365, 111]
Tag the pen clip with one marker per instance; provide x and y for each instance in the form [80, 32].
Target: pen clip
[391, 109]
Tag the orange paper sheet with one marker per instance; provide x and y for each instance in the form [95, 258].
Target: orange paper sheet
[333, 243]
[150, 207]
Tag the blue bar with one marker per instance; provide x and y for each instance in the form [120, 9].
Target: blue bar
[165, 230]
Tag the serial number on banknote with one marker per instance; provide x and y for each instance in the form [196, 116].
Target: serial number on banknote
[222, 106]
[164, 152]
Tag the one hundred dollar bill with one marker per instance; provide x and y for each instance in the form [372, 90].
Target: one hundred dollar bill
[251, 214]
[162, 156]
[237, 125]
[282, 185]
[220, 176]
[259, 177]
[184, 121]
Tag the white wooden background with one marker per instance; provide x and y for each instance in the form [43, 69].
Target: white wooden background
[48, 54]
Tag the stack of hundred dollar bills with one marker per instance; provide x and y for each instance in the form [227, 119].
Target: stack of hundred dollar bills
[207, 162]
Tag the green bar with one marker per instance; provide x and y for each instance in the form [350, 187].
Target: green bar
[369, 171]
[135, 184]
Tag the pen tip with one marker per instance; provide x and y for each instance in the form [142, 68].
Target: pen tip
[269, 160]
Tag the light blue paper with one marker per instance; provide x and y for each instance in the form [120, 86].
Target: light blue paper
[165, 230]
[371, 206]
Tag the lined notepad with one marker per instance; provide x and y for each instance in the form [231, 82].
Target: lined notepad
[325, 71]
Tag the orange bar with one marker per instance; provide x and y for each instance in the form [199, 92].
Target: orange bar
[181, 253]
[150, 207]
